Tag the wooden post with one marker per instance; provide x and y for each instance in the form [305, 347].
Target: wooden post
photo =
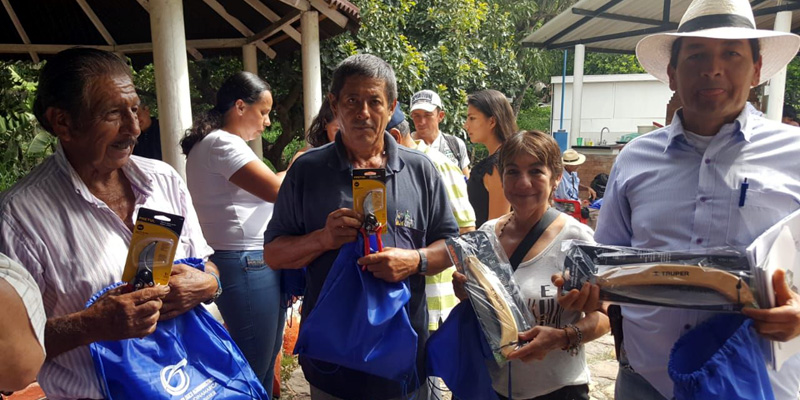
[777, 85]
[172, 78]
[577, 94]
[312, 81]
[250, 61]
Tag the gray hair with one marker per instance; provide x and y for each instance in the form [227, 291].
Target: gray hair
[65, 79]
[404, 128]
[368, 66]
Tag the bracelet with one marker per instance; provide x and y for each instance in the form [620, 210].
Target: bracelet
[573, 346]
[219, 289]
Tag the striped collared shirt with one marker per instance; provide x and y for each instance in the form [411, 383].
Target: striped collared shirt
[665, 194]
[73, 245]
[439, 288]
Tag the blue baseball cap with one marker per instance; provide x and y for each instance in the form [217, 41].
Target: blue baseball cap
[397, 117]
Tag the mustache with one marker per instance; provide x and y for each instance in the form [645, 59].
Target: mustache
[129, 141]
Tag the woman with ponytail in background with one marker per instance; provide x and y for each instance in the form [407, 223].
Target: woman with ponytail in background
[233, 191]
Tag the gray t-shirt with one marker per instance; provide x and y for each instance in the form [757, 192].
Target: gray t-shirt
[558, 368]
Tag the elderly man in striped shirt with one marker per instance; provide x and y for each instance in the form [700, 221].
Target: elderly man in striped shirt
[69, 222]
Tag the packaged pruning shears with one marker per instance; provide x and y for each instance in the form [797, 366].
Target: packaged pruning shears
[369, 198]
[153, 245]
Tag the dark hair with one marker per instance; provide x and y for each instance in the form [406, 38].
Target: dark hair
[317, 134]
[789, 111]
[755, 48]
[242, 85]
[368, 66]
[65, 80]
[494, 104]
[535, 143]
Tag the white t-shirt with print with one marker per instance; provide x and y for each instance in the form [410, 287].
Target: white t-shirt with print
[558, 369]
[231, 217]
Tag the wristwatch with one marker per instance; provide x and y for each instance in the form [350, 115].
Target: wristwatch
[219, 289]
[422, 267]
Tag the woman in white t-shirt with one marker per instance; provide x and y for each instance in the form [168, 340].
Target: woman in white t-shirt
[232, 191]
[552, 365]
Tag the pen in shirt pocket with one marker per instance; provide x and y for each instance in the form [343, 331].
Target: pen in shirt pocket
[743, 192]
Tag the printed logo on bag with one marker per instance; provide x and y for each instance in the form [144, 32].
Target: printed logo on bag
[174, 378]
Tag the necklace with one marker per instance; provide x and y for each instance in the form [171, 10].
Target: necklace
[505, 225]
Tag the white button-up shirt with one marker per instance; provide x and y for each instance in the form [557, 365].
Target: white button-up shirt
[664, 194]
[73, 245]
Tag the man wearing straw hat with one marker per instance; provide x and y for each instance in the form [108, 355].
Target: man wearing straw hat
[570, 185]
[678, 188]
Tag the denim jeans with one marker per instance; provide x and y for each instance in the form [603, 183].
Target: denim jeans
[250, 306]
[631, 385]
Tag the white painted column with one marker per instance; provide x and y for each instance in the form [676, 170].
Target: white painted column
[577, 95]
[172, 78]
[777, 85]
[312, 79]
[250, 61]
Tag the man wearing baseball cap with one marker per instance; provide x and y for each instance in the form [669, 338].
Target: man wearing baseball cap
[678, 188]
[427, 113]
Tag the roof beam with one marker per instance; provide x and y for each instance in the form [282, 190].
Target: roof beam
[20, 30]
[272, 17]
[617, 17]
[772, 10]
[756, 2]
[579, 23]
[196, 54]
[241, 27]
[287, 19]
[665, 14]
[333, 14]
[646, 31]
[96, 22]
[301, 5]
[126, 48]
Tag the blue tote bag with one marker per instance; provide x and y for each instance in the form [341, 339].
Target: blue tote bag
[720, 359]
[458, 351]
[360, 322]
[188, 357]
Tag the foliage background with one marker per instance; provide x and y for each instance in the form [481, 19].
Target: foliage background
[455, 47]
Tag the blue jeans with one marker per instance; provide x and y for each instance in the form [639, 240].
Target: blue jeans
[250, 306]
[631, 385]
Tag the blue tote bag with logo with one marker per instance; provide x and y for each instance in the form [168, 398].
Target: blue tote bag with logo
[720, 359]
[188, 357]
[360, 322]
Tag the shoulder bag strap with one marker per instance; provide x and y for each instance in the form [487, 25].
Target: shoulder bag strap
[533, 235]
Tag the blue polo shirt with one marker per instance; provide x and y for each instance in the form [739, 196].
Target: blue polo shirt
[319, 182]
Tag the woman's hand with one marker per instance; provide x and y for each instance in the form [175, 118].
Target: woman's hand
[459, 280]
[543, 339]
[586, 300]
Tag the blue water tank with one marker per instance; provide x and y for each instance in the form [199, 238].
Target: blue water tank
[561, 138]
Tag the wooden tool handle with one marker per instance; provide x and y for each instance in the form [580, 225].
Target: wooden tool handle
[731, 286]
[494, 292]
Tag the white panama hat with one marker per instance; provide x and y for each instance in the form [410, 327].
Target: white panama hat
[719, 19]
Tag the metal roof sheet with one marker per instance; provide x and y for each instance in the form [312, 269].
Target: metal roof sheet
[617, 25]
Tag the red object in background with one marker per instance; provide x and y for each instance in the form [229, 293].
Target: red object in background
[571, 208]
[32, 392]
[657, 124]
[276, 377]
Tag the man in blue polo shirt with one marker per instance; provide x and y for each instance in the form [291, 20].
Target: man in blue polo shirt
[313, 218]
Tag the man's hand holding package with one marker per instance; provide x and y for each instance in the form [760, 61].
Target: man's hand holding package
[392, 264]
[118, 315]
[341, 227]
[189, 287]
[782, 322]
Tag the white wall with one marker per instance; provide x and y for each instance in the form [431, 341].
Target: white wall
[619, 102]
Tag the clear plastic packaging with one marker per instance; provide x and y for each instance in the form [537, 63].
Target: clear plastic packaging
[494, 294]
[717, 279]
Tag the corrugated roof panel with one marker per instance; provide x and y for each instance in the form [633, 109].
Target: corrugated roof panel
[592, 28]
